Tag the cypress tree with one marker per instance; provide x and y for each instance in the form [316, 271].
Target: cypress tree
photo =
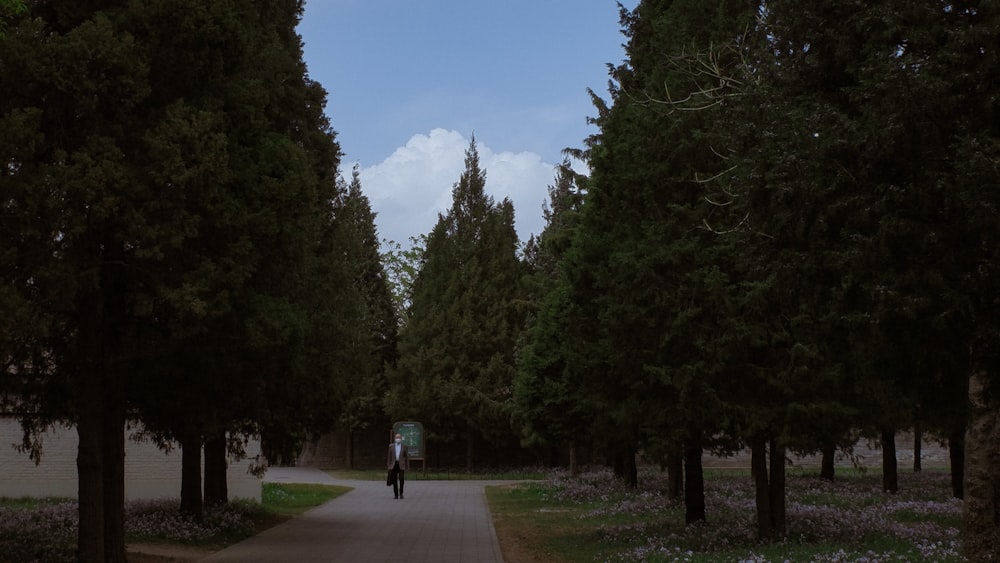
[866, 220]
[155, 197]
[455, 367]
[548, 407]
[645, 267]
[372, 337]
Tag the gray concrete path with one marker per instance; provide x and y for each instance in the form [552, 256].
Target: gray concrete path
[437, 522]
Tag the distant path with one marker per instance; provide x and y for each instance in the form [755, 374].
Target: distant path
[438, 522]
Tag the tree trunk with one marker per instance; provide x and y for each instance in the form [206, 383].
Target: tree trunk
[631, 471]
[617, 465]
[552, 456]
[216, 487]
[827, 468]
[114, 476]
[675, 475]
[694, 480]
[191, 500]
[981, 513]
[574, 465]
[890, 469]
[469, 450]
[918, 444]
[349, 450]
[776, 490]
[956, 453]
[110, 312]
[90, 468]
[758, 471]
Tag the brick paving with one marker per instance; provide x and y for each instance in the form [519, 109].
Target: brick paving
[437, 522]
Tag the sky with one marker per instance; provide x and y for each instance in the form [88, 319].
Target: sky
[409, 83]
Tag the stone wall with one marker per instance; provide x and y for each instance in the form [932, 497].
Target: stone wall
[330, 450]
[149, 471]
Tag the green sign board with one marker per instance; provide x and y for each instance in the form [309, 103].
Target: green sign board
[413, 437]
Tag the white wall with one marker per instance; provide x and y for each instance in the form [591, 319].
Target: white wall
[149, 472]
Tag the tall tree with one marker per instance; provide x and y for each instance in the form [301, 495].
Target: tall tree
[254, 330]
[373, 335]
[858, 104]
[645, 267]
[549, 409]
[971, 90]
[141, 189]
[455, 368]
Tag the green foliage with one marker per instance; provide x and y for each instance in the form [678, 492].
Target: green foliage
[851, 197]
[402, 267]
[549, 407]
[9, 9]
[771, 245]
[455, 366]
[647, 271]
[168, 227]
[372, 329]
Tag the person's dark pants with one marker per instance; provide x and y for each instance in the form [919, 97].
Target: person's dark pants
[398, 478]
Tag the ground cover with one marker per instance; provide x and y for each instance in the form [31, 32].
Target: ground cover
[594, 518]
[44, 530]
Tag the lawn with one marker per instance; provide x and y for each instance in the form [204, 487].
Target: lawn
[594, 518]
[556, 518]
[291, 499]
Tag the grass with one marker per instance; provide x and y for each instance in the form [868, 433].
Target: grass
[530, 516]
[26, 503]
[292, 499]
[442, 475]
[44, 530]
[559, 519]
[595, 518]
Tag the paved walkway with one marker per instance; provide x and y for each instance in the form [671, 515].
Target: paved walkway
[437, 522]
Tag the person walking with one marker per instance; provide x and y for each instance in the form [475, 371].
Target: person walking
[397, 462]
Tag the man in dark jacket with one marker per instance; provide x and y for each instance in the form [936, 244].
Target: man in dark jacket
[397, 462]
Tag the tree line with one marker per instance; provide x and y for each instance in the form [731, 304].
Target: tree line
[784, 240]
[178, 247]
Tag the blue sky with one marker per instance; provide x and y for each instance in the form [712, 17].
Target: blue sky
[409, 83]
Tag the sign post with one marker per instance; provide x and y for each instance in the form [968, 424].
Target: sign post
[413, 437]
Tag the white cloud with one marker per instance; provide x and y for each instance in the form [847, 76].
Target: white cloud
[409, 188]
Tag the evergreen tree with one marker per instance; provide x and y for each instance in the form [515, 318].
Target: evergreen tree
[455, 367]
[647, 268]
[373, 338]
[160, 204]
[549, 408]
[239, 361]
[866, 220]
